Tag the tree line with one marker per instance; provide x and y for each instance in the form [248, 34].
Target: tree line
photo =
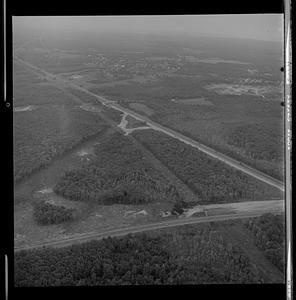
[45, 213]
[183, 256]
[210, 179]
[269, 233]
[118, 174]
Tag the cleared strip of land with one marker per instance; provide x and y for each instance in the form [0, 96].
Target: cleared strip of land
[156, 126]
[248, 210]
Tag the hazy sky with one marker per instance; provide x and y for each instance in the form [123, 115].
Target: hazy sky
[263, 27]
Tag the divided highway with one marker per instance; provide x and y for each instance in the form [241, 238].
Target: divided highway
[181, 137]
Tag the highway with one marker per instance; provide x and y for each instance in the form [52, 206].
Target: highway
[231, 211]
[218, 155]
[156, 126]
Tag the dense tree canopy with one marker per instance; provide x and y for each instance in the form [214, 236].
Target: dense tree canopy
[269, 236]
[119, 174]
[212, 180]
[187, 257]
[45, 213]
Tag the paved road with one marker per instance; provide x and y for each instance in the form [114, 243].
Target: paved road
[251, 210]
[156, 126]
[218, 155]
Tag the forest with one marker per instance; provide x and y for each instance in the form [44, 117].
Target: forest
[242, 127]
[211, 180]
[41, 135]
[249, 137]
[181, 205]
[45, 213]
[246, 127]
[111, 113]
[52, 128]
[187, 255]
[269, 234]
[163, 89]
[119, 174]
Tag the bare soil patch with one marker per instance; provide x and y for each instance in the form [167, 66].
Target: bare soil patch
[238, 89]
[24, 108]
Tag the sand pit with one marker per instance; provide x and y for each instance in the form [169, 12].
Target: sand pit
[82, 153]
[24, 108]
[238, 89]
[45, 191]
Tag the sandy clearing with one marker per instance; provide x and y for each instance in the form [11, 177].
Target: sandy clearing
[82, 153]
[24, 108]
[45, 191]
[238, 89]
